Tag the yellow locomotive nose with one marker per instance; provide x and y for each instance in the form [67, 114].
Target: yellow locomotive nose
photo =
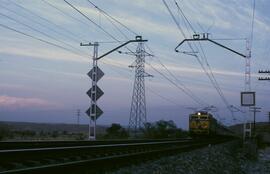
[204, 125]
[193, 124]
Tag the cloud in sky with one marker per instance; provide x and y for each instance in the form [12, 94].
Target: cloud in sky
[14, 103]
[29, 64]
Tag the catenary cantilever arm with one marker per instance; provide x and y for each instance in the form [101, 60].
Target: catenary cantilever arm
[206, 39]
[138, 39]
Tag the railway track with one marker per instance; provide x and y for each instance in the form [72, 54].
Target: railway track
[8, 145]
[90, 157]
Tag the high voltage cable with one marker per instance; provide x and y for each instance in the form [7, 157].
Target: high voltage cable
[45, 34]
[185, 18]
[189, 44]
[213, 81]
[75, 19]
[51, 43]
[151, 90]
[39, 39]
[65, 13]
[106, 32]
[113, 18]
[216, 85]
[100, 27]
[117, 39]
[205, 58]
[162, 97]
[175, 84]
[75, 36]
[184, 89]
[32, 19]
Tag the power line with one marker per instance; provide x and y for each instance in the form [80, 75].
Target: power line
[149, 89]
[32, 19]
[39, 39]
[172, 82]
[186, 90]
[210, 76]
[106, 14]
[65, 13]
[45, 34]
[114, 19]
[106, 32]
[205, 58]
[74, 36]
[216, 85]
[93, 22]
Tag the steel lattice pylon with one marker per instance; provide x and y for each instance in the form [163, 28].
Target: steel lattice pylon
[138, 105]
[247, 131]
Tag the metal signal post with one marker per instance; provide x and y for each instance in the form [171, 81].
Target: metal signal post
[247, 56]
[78, 116]
[254, 110]
[94, 92]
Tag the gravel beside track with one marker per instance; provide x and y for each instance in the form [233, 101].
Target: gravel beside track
[218, 159]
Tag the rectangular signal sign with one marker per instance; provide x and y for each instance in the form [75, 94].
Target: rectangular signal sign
[248, 98]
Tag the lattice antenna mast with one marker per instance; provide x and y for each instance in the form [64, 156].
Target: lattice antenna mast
[138, 116]
[247, 131]
[247, 67]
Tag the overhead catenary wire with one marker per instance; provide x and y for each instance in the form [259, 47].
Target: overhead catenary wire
[97, 25]
[67, 33]
[186, 90]
[93, 22]
[39, 39]
[210, 75]
[172, 82]
[183, 87]
[216, 85]
[43, 33]
[65, 13]
[208, 65]
[106, 31]
[148, 88]
[205, 58]
[114, 19]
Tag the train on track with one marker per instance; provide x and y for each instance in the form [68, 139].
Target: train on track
[202, 123]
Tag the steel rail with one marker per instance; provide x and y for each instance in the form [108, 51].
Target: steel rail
[8, 145]
[95, 157]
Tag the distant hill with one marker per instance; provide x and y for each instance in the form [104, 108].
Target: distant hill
[50, 127]
[260, 127]
[262, 131]
[13, 131]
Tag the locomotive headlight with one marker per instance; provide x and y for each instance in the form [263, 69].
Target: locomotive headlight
[199, 113]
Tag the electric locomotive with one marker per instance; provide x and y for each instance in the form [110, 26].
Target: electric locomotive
[203, 123]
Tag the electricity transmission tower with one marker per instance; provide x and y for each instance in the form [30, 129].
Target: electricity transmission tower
[94, 112]
[138, 104]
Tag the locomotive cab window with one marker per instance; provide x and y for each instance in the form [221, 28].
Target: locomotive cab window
[204, 117]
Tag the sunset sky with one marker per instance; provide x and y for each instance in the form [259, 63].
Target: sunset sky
[40, 82]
